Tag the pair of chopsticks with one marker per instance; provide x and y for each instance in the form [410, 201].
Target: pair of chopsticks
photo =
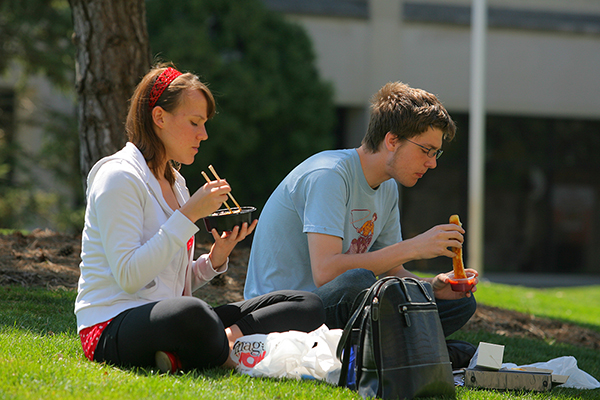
[239, 209]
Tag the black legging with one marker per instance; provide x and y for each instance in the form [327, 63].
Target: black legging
[195, 331]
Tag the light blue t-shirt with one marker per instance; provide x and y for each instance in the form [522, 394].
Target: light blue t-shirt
[327, 193]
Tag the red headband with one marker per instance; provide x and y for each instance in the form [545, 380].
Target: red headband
[162, 82]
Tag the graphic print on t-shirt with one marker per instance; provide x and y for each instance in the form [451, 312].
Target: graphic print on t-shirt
[364, 229]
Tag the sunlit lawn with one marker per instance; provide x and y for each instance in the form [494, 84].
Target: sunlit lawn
[41, 356]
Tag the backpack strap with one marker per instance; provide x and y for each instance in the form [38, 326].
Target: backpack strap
[350, 324]
[421, 285]
[345, 344]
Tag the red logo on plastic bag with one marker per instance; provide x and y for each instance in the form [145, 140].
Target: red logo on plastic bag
[249, 353]
[249, 361]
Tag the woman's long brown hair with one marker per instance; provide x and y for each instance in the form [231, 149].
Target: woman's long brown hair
[140, 126]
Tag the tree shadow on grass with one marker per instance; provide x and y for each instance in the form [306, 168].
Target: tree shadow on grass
[38, 310]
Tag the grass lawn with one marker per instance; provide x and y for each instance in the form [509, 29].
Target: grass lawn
[580, 305]
[41, 356]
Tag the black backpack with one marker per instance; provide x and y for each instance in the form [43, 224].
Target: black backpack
[393, 346]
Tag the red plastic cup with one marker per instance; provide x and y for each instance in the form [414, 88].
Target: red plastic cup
[462, 285]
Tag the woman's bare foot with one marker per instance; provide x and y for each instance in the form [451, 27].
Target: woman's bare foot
[233, 333]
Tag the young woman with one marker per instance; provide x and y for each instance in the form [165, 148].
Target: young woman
[134, 305]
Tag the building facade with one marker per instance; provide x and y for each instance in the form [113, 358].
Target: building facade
[542, 108]
[543, 114]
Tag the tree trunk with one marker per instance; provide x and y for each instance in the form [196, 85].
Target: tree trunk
[113, 53]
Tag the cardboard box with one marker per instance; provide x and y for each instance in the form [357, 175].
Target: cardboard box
[488, 374]
[489, 356]
[559, 379]
[524, 379]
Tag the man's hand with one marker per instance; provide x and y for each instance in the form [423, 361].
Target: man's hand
[436, 241]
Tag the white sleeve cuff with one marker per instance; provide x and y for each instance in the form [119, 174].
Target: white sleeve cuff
[221, 270]
[203, 271]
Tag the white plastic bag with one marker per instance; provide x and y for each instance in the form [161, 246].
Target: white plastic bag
[566, 365]
[291, 354]
[248, 351]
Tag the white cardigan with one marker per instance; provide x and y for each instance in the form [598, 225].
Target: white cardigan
[134, 246]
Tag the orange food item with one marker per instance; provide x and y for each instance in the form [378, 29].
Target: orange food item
[457, 260]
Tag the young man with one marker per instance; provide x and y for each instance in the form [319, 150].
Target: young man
[332, 226]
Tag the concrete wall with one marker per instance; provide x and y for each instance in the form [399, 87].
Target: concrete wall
[543, 57]
[35, 97]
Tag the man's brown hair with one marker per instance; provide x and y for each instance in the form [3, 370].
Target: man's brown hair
[405, 112]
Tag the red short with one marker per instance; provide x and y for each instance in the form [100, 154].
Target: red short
[90, 336]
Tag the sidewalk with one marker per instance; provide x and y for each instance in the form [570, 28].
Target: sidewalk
[538, 280]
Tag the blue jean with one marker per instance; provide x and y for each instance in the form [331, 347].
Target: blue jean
[338, 299]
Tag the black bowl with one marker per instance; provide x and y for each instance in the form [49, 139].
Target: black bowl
[223, 220]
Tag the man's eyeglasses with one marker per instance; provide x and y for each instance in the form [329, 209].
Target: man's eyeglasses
[430, 152]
